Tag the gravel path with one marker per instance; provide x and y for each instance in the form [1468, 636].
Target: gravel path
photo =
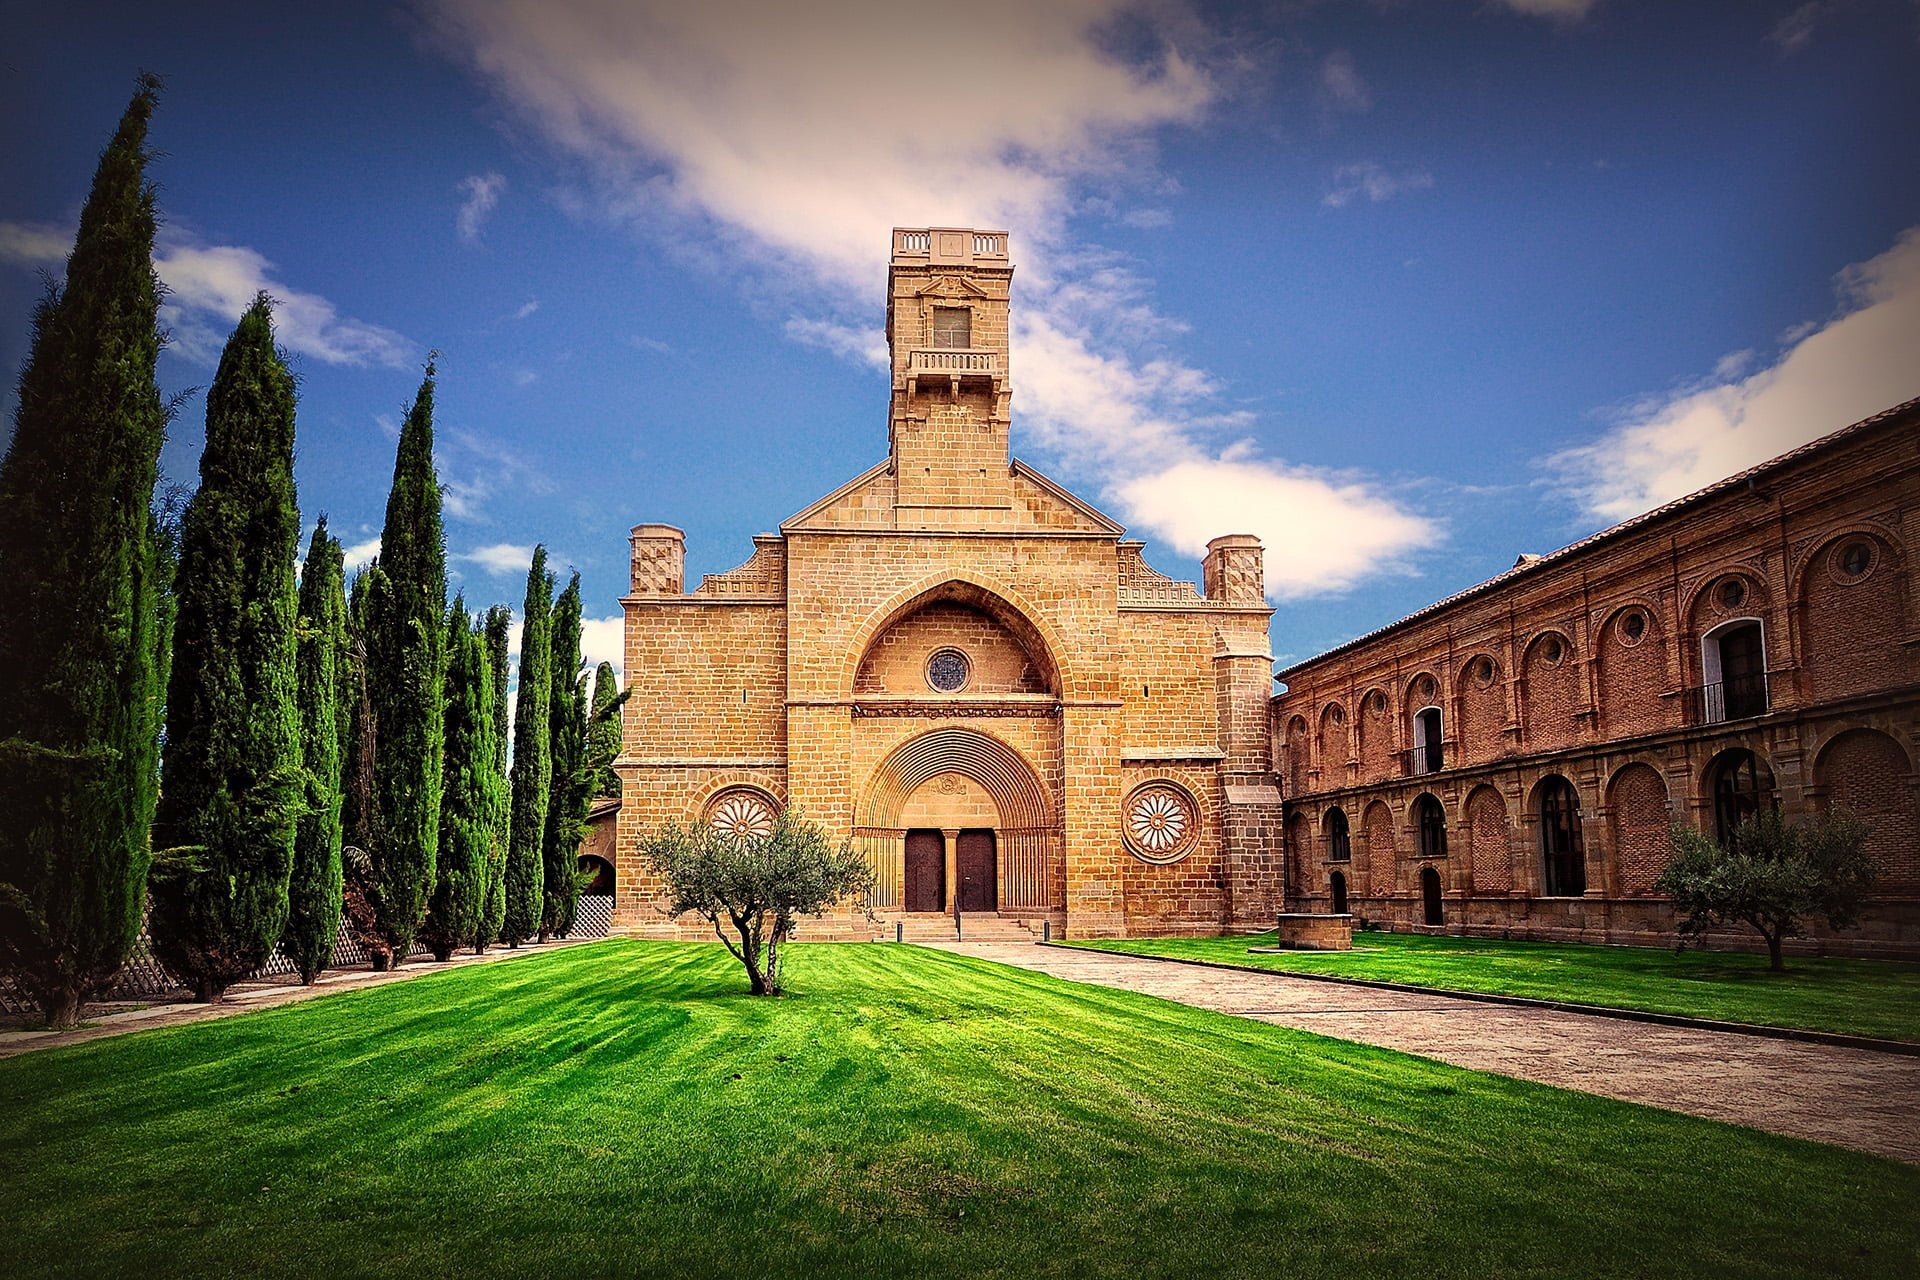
[1857, 1098]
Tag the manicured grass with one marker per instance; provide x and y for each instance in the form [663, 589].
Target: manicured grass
[620, 1109]
[1860, 997]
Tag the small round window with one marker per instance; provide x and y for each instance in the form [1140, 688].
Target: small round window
[947, 670]
[1336, 715]
[1633, 627]
[1733, 593]
[1552, 650]
[1377, 703]
[1483, 672]
[1854, 560]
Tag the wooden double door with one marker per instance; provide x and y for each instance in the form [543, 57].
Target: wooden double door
[974, 870]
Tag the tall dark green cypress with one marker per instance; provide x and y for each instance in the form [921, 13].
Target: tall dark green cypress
[469, 797]
[499, 624]
[567, 797]
[230, 789]
[406, 680]
[532, 763]
[313, 898]
[79, 697]
[603, 732]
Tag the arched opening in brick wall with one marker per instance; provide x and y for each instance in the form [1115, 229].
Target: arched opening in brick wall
[1429, 827]
[1373, 727]
[1334, 745]
[1639, 818]
[1428, 755]
[1563, 847]
[1868, 772]
[1551, 696]
[1739, 785]
[969, 784]
[1374, 874]
[1633, 675]
[1336, 835]
[1733, 668]
[1855, 617]
[998, 617]
[1337, 883]
[1488, 857]
[957, 639]
[1481, 721]
[1432, 909]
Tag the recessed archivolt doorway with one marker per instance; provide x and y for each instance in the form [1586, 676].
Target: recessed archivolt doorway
[955, 781]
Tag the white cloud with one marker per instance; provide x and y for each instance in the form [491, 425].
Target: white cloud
[773, 137]
[1350, 182]
[1341, 85]
[1793, 31]
[482, 192]
[474, 467]
[1564, 10]
[1865, 359]
[34, 244]
[359, 555]
[210, 286]
[604, 640]
[500, 558]
[527, 308]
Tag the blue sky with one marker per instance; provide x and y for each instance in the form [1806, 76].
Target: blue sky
[1407, 288]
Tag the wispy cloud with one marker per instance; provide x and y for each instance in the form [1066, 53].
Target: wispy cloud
[1373, 183]
[774, 135]
[527, 308]
[1563, 10]
[476, 468]
[482, 192]
[1341, 85]
[1855, 364]
[209, 286]
[499, 558]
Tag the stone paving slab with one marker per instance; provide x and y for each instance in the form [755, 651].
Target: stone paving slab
[263, 993]
[1857, 1098]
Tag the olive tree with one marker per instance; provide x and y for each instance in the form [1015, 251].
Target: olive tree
[751, 888]
[1771, 875]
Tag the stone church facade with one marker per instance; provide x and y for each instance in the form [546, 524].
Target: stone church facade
[1507, 762]
[965, 670]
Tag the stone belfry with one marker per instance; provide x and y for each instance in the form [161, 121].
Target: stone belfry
[947, 291]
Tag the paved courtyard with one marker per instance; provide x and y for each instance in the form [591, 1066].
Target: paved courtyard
[1856, 1098]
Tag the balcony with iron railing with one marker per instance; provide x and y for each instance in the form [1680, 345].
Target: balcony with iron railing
[1735, 698]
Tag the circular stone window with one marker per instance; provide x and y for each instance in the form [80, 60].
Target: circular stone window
[742, 812]
[1552, 650]
[1483, 672]
[1162, 823]
[1377, 703]
[1732, 593]
[947, 670]
[1633, 627]
[1336, 715]
[1853, 561]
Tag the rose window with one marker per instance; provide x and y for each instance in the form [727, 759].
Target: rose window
[1161, 823]
[742, 812]
[947, 670]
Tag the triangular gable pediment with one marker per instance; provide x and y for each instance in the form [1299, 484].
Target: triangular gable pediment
[947, 286]
[866, 503]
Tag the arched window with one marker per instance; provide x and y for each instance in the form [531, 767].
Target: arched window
[1433, 911]
[1339, 838]
[1561, 849]
[1338, 882]
[1426, 741]
[1742, 786]
[1733, 662]
[1430, 828]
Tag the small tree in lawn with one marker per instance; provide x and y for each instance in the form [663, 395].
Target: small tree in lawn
[754, 887]
[1771, 875]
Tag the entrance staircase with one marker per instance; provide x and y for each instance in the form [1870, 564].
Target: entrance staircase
[985, 927]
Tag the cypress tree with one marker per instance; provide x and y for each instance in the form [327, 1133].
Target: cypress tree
[322, 664]
[79, 696]
[469, 797]
[406, 678]
[604, 731]
[567, 797]
[230, 794]
[359, 802]
[532, 765]
[494, 911]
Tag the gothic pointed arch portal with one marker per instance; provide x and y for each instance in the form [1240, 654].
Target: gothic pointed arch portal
[962, 782]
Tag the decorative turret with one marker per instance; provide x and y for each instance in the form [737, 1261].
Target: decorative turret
[947, 291]
[1233, 571]
[659, 559]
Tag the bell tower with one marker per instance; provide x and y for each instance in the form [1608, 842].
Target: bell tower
[947, 291]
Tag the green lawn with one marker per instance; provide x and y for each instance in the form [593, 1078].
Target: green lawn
[621, 1109]
[1860, 997]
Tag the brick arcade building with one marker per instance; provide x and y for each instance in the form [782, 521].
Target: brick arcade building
[1508, 760]
[963, 668]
